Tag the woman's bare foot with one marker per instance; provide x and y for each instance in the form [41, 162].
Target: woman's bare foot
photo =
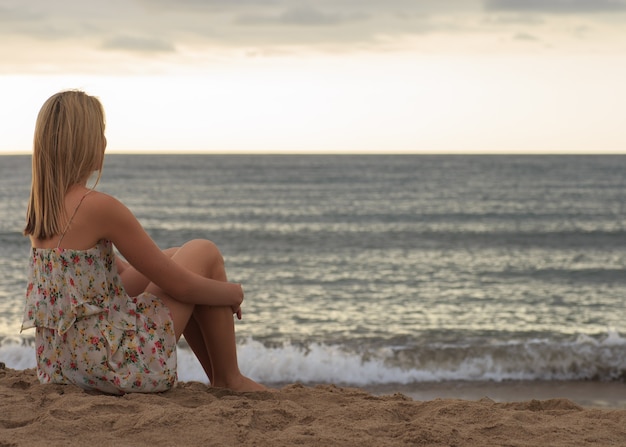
[242, 383]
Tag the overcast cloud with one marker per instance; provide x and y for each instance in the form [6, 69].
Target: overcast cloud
[164, 28]
[557, 6]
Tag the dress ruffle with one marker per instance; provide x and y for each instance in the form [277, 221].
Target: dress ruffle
[83, 286]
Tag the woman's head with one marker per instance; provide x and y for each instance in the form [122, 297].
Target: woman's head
[68, 147]
[69, 135]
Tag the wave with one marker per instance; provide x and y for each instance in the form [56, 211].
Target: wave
[584, 358]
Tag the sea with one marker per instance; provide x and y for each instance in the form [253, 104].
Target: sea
[387, 272]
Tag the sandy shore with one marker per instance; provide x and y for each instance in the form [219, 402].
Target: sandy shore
[607, 395]
[194, 414]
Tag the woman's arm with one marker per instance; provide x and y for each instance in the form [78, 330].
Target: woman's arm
[115, 222]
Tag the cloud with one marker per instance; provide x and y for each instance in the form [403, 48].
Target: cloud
[556, 6]
[300, 16]
[12, 15]
[197, 30]
[25, 21]
[524, 37]
[204, 4]
[148, 25]
[137, 44]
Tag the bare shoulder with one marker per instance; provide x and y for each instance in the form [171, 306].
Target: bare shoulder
[101, 204]
[107, 214]
[97, 198]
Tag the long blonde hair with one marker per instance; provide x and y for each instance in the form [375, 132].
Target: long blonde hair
[68, 147]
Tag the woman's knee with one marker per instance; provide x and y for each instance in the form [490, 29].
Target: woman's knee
[205, 246]
[207, 253]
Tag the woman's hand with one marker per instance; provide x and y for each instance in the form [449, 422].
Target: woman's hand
[237, 312]
[239, 299]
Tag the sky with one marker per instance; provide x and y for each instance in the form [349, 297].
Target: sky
[338, 76]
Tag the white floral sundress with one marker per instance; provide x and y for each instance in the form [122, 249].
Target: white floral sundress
[89, 332]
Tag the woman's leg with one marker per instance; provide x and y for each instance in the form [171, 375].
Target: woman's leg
[209, 330]
[195, 340]
[218, 328]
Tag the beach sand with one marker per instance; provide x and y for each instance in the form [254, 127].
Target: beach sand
[195, 414]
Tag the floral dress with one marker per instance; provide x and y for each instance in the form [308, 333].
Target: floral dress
[89, 332]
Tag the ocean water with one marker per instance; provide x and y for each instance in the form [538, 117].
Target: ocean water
[373, 270]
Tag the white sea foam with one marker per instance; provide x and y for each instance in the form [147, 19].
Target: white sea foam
[17, 356]
[584, 358]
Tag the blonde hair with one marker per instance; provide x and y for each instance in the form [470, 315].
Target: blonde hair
[68, 146]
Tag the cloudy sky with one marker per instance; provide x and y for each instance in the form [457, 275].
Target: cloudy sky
[325, 75]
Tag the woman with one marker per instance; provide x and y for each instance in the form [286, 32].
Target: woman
[101, 322]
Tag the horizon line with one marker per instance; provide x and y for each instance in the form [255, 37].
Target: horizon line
[432, 152]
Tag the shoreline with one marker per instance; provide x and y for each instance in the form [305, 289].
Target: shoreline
[585, 393]
[588, 394]
[195, 414]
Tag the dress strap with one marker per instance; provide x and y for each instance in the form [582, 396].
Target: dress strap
[67, 226]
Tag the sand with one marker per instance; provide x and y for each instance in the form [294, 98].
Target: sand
[194, 414]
